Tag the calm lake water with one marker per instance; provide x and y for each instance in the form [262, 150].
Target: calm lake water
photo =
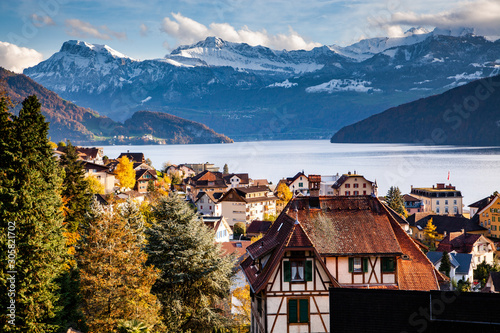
[474, 170]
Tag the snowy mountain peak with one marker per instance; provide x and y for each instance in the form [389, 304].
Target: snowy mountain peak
[82, 48]
[454, 32]
[416, 31]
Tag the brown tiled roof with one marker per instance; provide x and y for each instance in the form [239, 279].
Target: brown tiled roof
[238, 247]
[482, 203]
[89, 152]
[460, 242]
[141, 172]
[259, 227]
[260, 182]
[252, 189]
[358, 225]
[98, 167]
[214, 196]
[410, 198]
[345, 177]
[242, 176]
[290, 180]
[445, 223]
[136, 157]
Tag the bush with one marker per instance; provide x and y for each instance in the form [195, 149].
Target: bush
[240, 228]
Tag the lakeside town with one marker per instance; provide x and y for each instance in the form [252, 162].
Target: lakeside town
[297, 238]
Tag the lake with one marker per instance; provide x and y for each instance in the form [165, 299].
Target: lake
[473, 170]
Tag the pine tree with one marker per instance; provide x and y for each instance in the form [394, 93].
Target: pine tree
[125, 172]
[194, 277]
[31, 204]
[445, 266]
[225, 170]
[115, 281]
[395, 201]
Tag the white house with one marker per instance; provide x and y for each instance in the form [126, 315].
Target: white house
[223, 232]
[208, 203]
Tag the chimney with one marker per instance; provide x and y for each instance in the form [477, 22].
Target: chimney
[314, 185]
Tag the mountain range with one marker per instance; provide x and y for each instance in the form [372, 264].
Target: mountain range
[466, 115]
[253, 92]
[86, 126]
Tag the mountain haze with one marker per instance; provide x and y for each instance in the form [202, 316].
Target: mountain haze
[253, 92]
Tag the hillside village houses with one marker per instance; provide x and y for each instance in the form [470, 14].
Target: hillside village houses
[335, 232]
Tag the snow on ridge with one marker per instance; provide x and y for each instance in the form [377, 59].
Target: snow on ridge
[285, 84]
[342, 85]
[465, 76]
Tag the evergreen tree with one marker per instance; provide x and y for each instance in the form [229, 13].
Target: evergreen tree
[115, 281]
[31, 205]
[225, 170]
[395, 200]
[76, 199]
[194, 277]
[445, 266]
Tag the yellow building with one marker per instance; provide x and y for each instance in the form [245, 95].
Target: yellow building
[489, 216]
[353, 184]
[440, 199]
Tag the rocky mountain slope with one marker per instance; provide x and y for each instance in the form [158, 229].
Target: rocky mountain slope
[466, 115]
[85, 126]
[253, 92]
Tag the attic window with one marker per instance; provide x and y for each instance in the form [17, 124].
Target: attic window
[238, 245]
[405, 257]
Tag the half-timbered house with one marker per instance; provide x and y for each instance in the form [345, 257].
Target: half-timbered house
[322, 242]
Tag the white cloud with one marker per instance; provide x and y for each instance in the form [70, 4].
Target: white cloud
[188, 31]
[82, 29]
[40, 21]
[482, 15]
[15, 58]
[144, 30]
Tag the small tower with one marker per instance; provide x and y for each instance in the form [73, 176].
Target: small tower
[314, 184]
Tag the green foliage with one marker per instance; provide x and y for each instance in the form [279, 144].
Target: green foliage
[151, 186]
[395, 200]
[482, 272]
[30, 203]
[240, 228]
[133, 326]
[194, 277]
[225, 169]
[445, 266]
[463, 285]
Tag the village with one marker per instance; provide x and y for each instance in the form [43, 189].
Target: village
[308, 233]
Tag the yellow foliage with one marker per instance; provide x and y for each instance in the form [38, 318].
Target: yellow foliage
[242, 306]
[95, 185]
[255, 238]
[125, 172]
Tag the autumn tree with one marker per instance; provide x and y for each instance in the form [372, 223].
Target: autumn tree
[283, 194]
[115, 281]
[395, 201]
[194, 277]
[31, 209]
[94, 185]
[242, 308]
[430, 234]
[125, 172]
[445, 266]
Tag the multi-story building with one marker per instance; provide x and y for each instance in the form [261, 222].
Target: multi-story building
[481, 248]
[440, 199]
[218, 224]
[245, 204]
[208, 203]
[322, 242]
[354, 184]
[488, 215]
[102, 174]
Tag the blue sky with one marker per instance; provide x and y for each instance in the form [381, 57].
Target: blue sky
[32, 30]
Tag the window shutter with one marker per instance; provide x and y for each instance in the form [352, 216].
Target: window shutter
[384, 264]
[365, 265]
[287, 272]
[351, 265]
[292, 311]
[309, 270]
[304, 310]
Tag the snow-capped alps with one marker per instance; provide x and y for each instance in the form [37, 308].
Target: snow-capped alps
[237, 89]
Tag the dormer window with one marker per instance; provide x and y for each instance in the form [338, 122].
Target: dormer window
[297, 270]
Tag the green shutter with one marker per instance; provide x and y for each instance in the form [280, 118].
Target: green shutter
[351, 265]
[309, 269]
[292, 311]
[287, 271]
[365, 265]
[304, 310]
[384, 264]
[387, 264]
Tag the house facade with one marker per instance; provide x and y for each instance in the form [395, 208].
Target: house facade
[489, 216]
[412, 204]
[441, 199]
[460, 264]
[103, 175]
[207, 203]
[142, 179]
[245, 204]
[219, 225]
[322, 242]
[480, 247]
[444, 224]
[352, 184]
